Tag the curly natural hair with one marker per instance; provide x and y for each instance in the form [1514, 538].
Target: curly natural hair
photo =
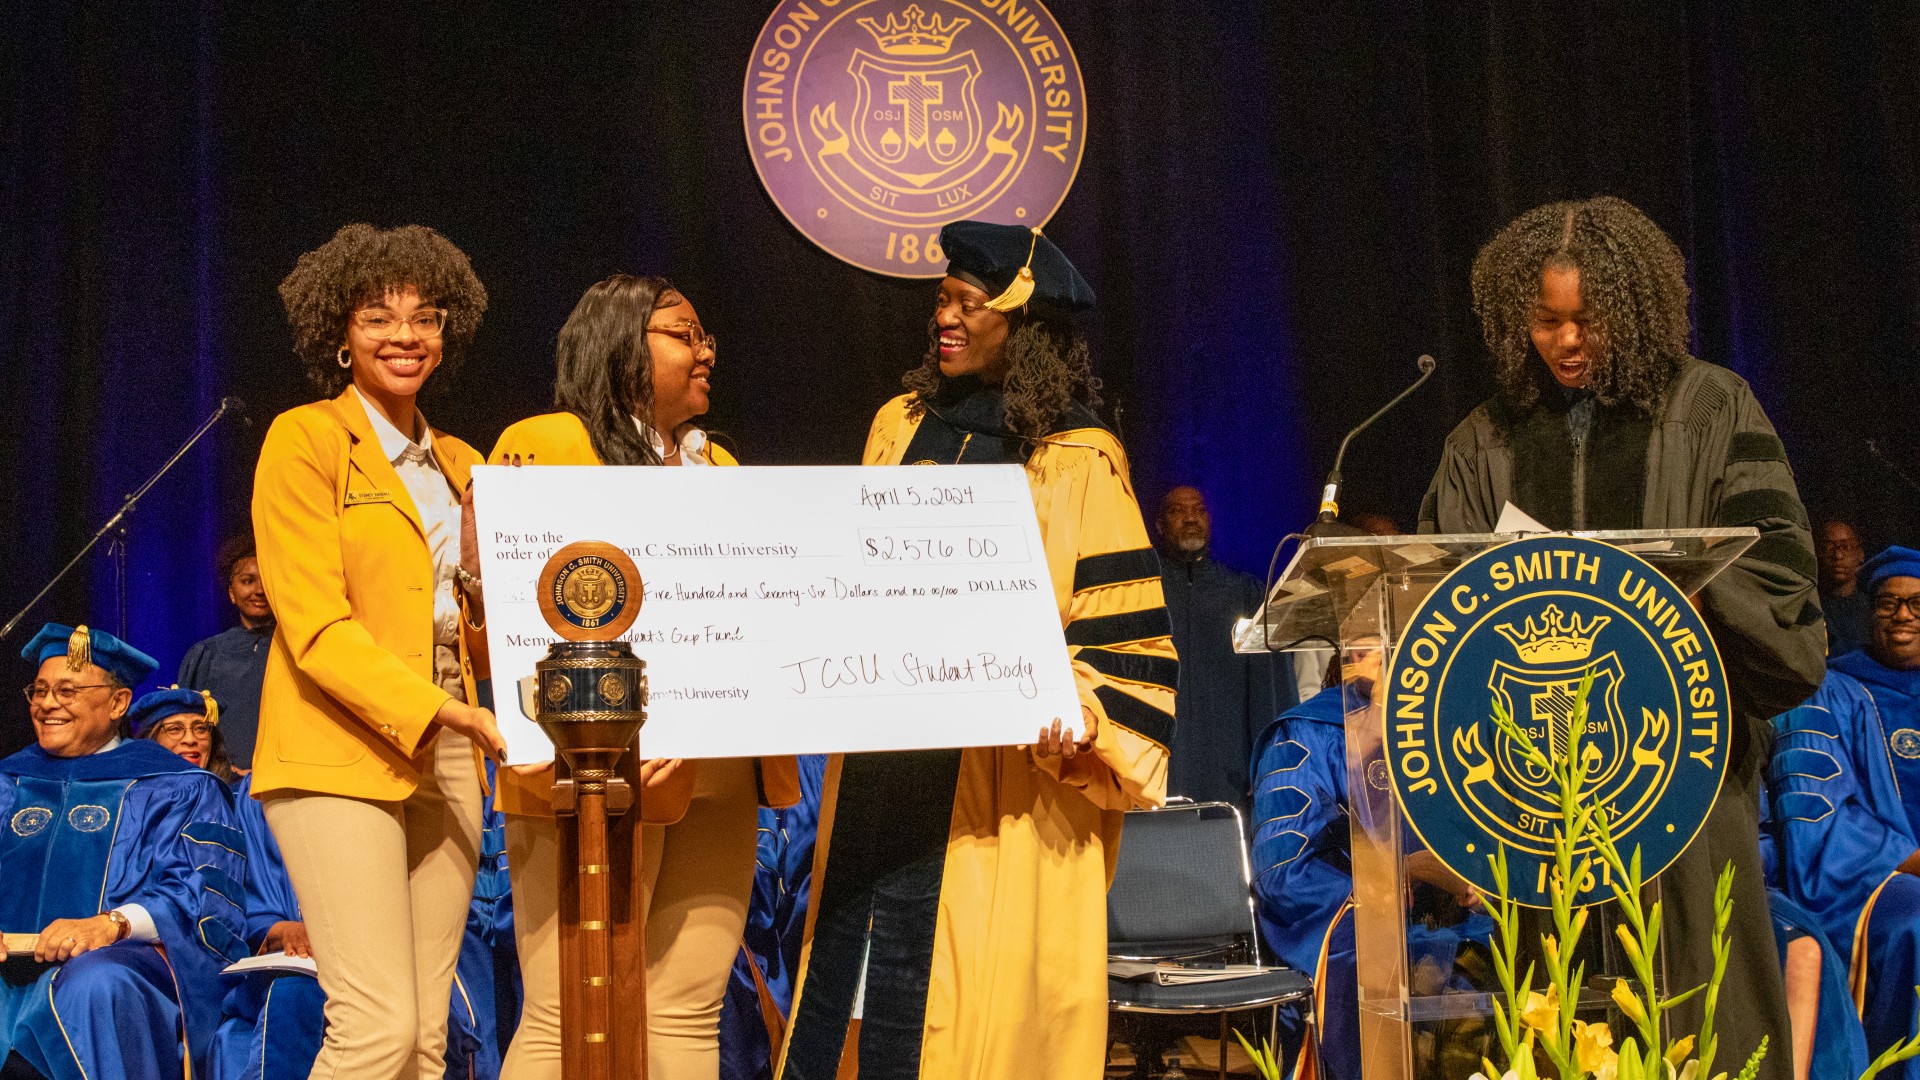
[360, 266]
[1633, 284]
[1048, 368]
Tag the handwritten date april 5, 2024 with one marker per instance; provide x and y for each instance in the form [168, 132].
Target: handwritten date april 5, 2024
[916, 495]
[843, 674]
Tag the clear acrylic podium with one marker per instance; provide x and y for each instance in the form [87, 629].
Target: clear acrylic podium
[1356, 594]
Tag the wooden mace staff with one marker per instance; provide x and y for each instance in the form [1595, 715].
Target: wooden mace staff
[590, 696]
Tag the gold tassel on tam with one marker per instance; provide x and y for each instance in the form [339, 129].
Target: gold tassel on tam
[213, 707]
[79, 649]
[1020, 289]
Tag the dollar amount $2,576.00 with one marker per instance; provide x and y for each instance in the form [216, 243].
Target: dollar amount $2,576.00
[942, 546]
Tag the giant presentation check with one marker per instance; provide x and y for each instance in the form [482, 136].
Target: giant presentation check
[794, 610]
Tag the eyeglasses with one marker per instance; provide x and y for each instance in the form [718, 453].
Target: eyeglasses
[1888, 607]
[63, 693]
[381, 324]
[174, 729]
[692, 333]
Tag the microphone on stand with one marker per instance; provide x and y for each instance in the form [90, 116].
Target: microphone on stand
[1328, 523]
[116, 525]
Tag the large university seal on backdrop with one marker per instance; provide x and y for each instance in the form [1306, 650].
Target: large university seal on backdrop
[875, 122]
[1524, 623]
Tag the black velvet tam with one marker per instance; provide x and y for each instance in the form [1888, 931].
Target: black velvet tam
[991, 257]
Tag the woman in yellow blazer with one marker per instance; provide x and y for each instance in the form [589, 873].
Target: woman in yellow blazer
[368, 760]
[635, 370]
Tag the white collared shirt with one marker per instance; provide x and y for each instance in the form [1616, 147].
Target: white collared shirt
[432, 495]
[693, 444]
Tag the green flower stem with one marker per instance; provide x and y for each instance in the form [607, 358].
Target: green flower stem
[1639, 934]
[1506, 916]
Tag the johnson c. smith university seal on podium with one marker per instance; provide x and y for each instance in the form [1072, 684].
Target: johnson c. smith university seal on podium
[875, 122]
[1525, 623]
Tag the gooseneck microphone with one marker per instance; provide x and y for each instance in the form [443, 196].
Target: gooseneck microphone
[1327, 523]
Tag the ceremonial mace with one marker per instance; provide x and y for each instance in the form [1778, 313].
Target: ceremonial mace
[590, 696]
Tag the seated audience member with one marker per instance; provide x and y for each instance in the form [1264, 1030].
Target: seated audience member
[123, 858]
[1225, 698]
[1303, 887]
[187, 723]
[1837, 551]
[1888, 665]
[231, 664]
[272, 1021]
[1844, 838]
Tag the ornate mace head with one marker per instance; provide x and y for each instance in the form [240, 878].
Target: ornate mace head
[590, 694]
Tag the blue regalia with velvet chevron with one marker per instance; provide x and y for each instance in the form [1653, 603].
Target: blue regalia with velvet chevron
[1841, 830]
[131, 825]
[247, 1046]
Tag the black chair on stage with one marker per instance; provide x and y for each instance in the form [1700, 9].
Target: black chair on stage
[1183, 891]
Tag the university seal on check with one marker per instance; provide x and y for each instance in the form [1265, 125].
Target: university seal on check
[873, 123]
[1524, 624]
[590, 591]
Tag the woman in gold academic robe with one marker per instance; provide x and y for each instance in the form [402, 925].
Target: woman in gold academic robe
[635, 371]
[974, 882]
[368, 759]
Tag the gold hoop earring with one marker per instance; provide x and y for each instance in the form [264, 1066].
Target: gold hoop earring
[342, 358]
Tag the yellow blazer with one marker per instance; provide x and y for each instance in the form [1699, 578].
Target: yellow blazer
[348, 702]
[561, 439]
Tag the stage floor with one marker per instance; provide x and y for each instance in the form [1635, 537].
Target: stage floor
[1199, 1057]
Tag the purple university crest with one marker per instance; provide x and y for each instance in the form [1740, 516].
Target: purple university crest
[875, 122]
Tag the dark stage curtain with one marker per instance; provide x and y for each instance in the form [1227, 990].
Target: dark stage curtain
[1278, 205]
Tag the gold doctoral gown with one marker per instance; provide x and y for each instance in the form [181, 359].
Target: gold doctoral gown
[1014, 971]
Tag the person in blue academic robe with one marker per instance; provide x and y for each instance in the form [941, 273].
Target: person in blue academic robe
[232, 664]
[1844, 792]
[486, 981]
[272, 1023]
[1888, 665]
[760, 990]
[1303, 887]
[124, 859]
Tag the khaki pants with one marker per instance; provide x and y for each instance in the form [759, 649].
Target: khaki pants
[384, 888]
[698, 873]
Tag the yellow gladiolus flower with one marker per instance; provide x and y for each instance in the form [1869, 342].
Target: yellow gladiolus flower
[1593, 1046]
[1677, 1053]
[1628, 1002]
[1543, 1010]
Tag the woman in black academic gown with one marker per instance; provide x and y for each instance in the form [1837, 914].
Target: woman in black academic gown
[1603, 420]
